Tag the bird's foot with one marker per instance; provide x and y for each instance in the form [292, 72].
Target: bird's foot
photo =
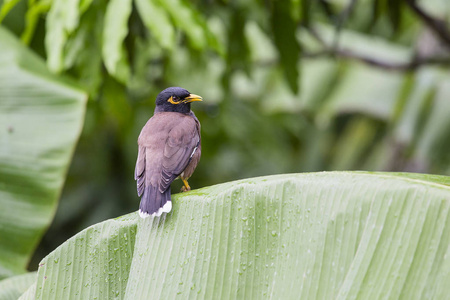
[185, 187]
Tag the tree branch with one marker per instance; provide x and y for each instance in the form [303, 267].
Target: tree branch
[388, 65]
[413, 64]
[438, 26]
[341, 20]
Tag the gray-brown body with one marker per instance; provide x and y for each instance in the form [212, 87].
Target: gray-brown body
[169, 146]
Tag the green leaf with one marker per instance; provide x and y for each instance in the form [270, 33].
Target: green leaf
[100, 258]
[186, 19]
[435, 137]
[83, 55]
[6, 7]
[395, 11]
[29, 294]
[114, 32]
[35, 10]
[62, 20]
[354, 144]
[157, 21]
[41, 117]
[392, 9]
[338, 235]
[238, 51]
[378, 6]
[301, 10]
[363, 89]
[284, 31]
[437, 8]
[305, 11]
[13, 287]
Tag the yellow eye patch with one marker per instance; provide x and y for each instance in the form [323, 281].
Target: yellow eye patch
[190, 98]
[172, 101]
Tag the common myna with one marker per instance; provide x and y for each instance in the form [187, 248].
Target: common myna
[169, 147]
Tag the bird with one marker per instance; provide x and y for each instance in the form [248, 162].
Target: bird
[169, 147]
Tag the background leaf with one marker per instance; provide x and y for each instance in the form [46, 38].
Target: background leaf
[63, 19]
[184, 17]
[284, 32]
[342, 235]
[114, 32]
[6, 7]
[13, 287]
[40, 120]
[157, 21]
[29, 294]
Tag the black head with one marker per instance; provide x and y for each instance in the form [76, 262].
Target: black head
[175, 99]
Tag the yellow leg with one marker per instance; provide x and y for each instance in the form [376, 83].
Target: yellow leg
[186, 186]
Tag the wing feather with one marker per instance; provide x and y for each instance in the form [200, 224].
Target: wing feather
[180, 145]
[166, 145]
[139, 172]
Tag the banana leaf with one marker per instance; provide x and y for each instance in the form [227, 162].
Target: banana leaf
[336, 235]
[41, 116]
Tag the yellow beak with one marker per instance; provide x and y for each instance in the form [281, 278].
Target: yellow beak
[192, 98]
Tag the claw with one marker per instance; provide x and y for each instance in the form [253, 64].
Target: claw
[186, 186]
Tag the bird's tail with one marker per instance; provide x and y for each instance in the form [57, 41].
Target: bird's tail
[154, 203]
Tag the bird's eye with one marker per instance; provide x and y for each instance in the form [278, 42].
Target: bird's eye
[174, 100]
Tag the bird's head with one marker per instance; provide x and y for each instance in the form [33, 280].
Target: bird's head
[175, 99]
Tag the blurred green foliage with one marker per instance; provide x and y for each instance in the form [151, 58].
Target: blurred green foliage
[295, 86]
[41, 119]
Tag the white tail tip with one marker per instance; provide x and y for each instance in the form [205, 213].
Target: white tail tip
[166, 208]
